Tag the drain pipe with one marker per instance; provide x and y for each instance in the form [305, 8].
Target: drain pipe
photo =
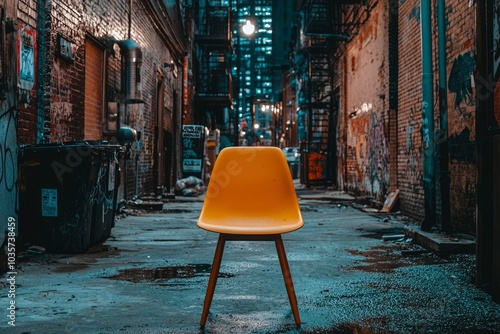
[444, 173]
[427, 116]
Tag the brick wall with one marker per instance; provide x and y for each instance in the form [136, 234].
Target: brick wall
[72, 96]
[66, 87]
[365, 108]
[460, 46]
[410, 154]
[379, 147]
[460, 50]
[27, 118]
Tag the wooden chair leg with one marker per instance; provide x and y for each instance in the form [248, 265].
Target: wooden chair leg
[285, 269]
[214, 273]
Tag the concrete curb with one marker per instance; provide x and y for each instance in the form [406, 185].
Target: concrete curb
[440, 243]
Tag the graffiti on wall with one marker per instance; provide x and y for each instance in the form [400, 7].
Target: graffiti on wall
[369, 165]
[26, 61]
[357, 148]
[61, 118]
[496, 60]
[412, 170]
[8, 149]
[460, 79]
[496, 38]
[8, 168]
[378, 156]
[415, 14]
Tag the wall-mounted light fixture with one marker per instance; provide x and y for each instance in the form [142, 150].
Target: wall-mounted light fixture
[171, 67]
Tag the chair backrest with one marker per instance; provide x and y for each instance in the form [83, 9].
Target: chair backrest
[251, 187]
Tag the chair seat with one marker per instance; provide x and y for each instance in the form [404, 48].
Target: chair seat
[251, 226]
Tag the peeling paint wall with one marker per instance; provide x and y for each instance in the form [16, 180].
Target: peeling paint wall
[365, 109]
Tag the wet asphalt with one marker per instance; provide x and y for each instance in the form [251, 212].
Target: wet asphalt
[151, 275]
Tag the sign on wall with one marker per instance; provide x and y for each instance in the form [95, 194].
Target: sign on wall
[65, 48]
[26, 61]
[193, 150]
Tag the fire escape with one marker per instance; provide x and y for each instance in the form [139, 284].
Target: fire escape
[326, 25]
[214, 88]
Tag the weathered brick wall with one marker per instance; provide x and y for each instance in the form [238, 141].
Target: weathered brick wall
[27, 116]
[366, 109]
[65, 85]
[67, 79]
[410, 154]
[460, 46]
[460, 50]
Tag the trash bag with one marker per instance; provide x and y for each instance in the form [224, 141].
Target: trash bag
[189, 186]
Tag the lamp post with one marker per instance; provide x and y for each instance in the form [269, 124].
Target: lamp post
[247, 30]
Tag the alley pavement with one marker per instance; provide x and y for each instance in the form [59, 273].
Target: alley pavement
[354, 271]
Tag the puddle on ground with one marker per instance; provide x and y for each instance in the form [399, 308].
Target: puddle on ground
[81, 261]
[162, 274]
[71, 268]
[385, 259]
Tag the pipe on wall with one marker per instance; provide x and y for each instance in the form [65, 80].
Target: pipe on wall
[427, 116]
[444, 173]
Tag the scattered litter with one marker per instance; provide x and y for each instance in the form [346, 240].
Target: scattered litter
[393, 237]
[36, 249]
[390, 202]
[189, 186]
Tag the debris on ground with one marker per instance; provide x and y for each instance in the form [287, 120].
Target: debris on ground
[189, 186]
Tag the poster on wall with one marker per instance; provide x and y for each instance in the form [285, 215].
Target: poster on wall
[193, 150]
[26, 61]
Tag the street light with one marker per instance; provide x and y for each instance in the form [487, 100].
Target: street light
[248, 28]
[246, 33]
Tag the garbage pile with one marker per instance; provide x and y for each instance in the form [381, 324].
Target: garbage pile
[189, 186]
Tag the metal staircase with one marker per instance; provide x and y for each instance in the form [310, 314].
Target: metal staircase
[326, 24]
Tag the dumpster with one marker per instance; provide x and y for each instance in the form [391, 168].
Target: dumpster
[67, 194]
[104, 193]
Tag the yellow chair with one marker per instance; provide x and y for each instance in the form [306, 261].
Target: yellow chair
[250, 196]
